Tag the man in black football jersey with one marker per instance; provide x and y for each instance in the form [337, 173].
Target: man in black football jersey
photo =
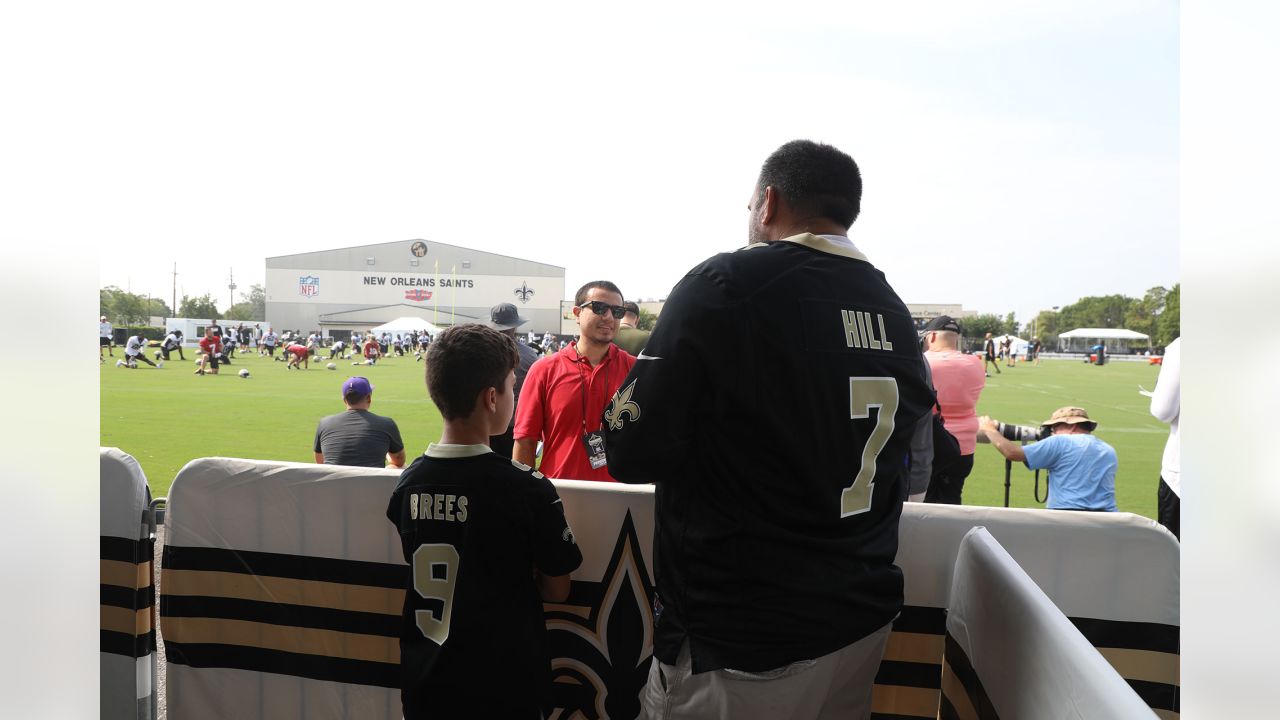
[487, 542]
[779, 474]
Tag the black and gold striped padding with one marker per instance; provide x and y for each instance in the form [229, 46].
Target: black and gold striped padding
[910, 683]
[963, 696]
[1145, 654]
[312, 617]
[128, 596]
[910, 673]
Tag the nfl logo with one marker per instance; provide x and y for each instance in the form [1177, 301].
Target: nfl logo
[308, 286]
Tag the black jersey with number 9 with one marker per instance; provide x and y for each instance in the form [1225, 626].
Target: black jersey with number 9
[474, 526]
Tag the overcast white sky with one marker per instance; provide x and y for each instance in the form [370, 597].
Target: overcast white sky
[1016, 156]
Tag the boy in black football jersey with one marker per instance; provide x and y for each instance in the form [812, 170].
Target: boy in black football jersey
[487, 542]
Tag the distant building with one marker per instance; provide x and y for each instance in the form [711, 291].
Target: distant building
[922, 313]
[356, 288]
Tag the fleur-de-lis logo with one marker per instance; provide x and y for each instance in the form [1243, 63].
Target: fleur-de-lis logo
[601, 638]
[622, 405]
[524, 292]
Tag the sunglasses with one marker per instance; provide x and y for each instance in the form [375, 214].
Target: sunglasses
[600, 308]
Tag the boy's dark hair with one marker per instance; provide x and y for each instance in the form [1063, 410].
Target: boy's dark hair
[465, 360]
[581, 296]
[815, 180]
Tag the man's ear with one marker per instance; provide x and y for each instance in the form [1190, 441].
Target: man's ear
[489, 396]
[769, 205]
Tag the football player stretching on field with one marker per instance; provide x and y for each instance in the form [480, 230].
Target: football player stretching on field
[773, 407]
[487, 542]
[299, 357]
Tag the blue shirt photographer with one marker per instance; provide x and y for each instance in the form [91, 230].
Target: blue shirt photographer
[1082, 471]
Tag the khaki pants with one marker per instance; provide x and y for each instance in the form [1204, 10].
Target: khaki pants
[833, 686]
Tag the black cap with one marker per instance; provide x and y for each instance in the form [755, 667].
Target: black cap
[505, 317]
[942, 323]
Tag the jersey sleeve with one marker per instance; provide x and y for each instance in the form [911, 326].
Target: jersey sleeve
[650, 425]
[555, 551]
[317, 443]
[529, 411]
[1043, 454]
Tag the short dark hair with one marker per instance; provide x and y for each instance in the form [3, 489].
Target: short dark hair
[581, 296]
[815, 180]
[631, 307]
[355, 398]
[463, 361]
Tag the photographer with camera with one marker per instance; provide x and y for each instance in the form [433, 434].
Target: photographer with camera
[1082, 468]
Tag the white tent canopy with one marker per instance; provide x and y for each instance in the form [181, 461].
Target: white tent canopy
[406, 324]
[1105, 334]
[1116, 339]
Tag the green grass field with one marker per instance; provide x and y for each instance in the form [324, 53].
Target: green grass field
[166, 418]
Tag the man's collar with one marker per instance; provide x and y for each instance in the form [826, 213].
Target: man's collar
[571, 351]
[446, 451]
[831, 244]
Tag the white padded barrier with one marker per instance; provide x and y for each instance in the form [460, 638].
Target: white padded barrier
[1115, 575]
[283, 585]
[1012, 655]
[127, 638]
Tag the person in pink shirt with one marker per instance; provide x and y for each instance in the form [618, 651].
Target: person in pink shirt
[959, 380]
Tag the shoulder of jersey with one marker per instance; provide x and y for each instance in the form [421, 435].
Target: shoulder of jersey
[519, 469]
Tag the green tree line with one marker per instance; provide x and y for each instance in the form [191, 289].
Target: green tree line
[1157, 314]
[130, 309]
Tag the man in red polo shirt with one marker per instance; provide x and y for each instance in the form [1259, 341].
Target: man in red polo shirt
[564, 394]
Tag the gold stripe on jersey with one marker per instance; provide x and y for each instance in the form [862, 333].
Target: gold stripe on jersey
[901, 700]
[1166, 714]
[284, 591]
[914, 647]
[125, 620]
[1147, 665]
[124, 574]
[292, 639]
[956, 694]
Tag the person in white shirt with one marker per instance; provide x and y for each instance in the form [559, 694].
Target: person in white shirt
[1165, 406]
[172, 341]
[336, 350]
[135, 350]
[104, 338]
[269, 342]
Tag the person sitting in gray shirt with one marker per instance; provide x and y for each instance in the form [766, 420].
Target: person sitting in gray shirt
[357, 436]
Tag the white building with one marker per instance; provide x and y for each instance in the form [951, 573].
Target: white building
[357, 288]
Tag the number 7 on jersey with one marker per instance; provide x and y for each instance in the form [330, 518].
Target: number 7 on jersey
[866, 393]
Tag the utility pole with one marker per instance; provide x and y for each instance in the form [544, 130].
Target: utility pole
[174, 308]
[231, 288]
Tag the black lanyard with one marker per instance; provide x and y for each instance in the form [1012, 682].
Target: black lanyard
[586, 381]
